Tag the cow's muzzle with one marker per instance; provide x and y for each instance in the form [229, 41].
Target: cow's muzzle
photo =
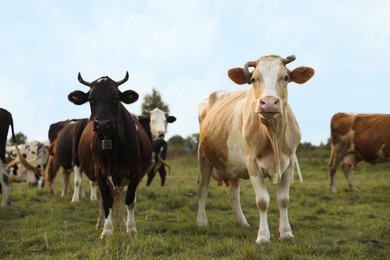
[269, 106]
[102, 126]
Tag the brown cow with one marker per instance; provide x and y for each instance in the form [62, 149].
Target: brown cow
[356, 138]
[251, 134]
[114, 149]
[65, 136]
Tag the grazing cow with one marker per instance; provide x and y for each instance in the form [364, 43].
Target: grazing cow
[5, 122]
[155, 125]
[64, 154]
[251, 134]
[36, 155]
[356, 138]
[114, 148]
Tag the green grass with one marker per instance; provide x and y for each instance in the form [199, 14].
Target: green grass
[345, 225]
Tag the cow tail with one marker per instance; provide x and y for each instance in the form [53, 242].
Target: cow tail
[48, 176]
[164, 162]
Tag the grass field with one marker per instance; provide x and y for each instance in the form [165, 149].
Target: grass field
[344, 225]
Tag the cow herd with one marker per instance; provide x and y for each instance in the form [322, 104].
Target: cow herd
[246, 134]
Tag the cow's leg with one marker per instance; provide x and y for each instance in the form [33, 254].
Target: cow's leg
[78, 190]
[163, 174]
[5, 187]
[107, 200]
[233, 191]
[151, 175]
[51, 172]
[282, 197]
[152, 171]
[262, 202]
[347, 174]
[100, 219]
[205, 169]
[93, 186]
[332, 172]
[41, 182]
[66, 175]
[130, 204]
[117, 193]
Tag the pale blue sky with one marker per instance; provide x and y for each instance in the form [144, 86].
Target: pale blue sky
[184, 50]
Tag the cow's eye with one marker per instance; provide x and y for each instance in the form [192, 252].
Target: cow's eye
[286, 78]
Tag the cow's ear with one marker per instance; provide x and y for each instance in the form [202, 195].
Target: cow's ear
[237, 75]
[171, 119]
[301, 74]
[78, 97]
[144, 119]
[128, 96]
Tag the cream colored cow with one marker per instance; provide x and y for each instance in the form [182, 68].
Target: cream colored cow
[253, 134]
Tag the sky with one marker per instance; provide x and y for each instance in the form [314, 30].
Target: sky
[184, 49]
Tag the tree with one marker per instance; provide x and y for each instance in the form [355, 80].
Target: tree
[19, 137]
[152, 101]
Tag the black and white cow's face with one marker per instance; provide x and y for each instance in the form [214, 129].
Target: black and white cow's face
[158, 122]
[105, 99]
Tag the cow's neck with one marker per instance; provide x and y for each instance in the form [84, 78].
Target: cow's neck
[276, 132]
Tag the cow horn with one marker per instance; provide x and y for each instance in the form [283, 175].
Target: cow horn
[82, 81]
[289, 59]
[123, 80]
[246, 71]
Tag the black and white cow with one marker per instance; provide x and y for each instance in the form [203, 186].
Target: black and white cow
[155, 125]
[36, 155]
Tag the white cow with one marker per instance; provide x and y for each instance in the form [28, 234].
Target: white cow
[253, 134]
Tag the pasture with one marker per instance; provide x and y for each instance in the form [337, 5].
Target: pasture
[344, 225]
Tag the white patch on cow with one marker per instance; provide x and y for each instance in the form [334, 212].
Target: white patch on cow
[108, 227]
[101, 79]
[381, 155]
[130, 223]
[269, 69]
[94, 188]
[77, 184]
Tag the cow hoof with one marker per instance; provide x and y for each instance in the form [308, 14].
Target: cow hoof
[132, 230]
[74, 199]
[105, 234]
[286, 236]
[245, 225]
[262, 240]
[202, 221]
